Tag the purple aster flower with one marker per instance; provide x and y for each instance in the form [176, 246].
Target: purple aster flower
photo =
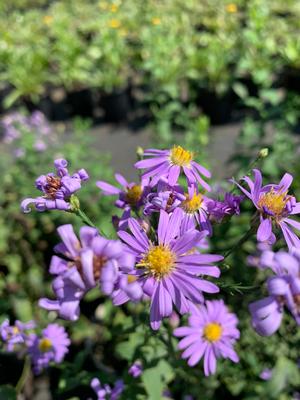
[274, 206]
[57, 188]
[131, 196]
[169, 163]
[93, 260]
[229, 206]
[167, 272]
[136, 369]
[195, 209]
[51, 346]
[166, 198]
[211, 333]
[105, 392]
[266, 374]
[15, 334]
[283, 289]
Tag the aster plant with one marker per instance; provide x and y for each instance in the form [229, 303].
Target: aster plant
[160, 264]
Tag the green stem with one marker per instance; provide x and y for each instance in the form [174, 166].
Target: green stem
[24, 376]
[84, 218]
[247, 235]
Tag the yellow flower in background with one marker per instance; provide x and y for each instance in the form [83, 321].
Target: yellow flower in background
[47, 19]
[103, 5]
[114, 8]
[231, 8]
[156, 21]
[114, 23]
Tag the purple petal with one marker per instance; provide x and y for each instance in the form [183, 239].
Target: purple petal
[264, 230]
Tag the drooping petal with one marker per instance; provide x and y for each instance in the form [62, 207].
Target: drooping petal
[264, 230]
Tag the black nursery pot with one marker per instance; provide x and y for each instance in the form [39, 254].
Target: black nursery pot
[217, 107]
[291, 79]
[116, 105]
[54, 105]
[81, 103]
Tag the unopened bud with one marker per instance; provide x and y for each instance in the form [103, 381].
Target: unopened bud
[74, 203]
[139, 151]
[263, 153]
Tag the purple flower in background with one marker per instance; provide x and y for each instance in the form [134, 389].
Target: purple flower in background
[266, 374]
[57, 188]
[136, 369]
[166, 198]
[211, 333]
[229, 206]
[105, 392]
[131, 195]
[169, 163]
[84, 264]
[15, 334]
[167, 272]
[283, 289]
[51, 346]
[274, 206]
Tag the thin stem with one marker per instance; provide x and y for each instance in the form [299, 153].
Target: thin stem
[24, 376]
[85, 219]
[247, 235]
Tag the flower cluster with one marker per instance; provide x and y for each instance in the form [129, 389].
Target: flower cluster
[161, 256]
[82, 265]
[57, 188]
[49, 346]
[14, 125]
[283, 289]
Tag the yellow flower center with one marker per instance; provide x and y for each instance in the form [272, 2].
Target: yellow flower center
[191, 205]
[15, 330]
[159, 261]
[133, 194]
[114, 23]
[231, 8]
[212, 332]
[131, 278]
[156, 21]
[181, 157]
[273, 201]
[45, 345]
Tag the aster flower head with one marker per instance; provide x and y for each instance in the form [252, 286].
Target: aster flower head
[136, 369]
[12, 335]
[211, 334]
[105, 392]
[165, 198]
[130, 196]
[57, 188]
[195, 208]
[166, 270]
[51, 346]
[219, 209]
[169, 163]
[283, 289]
[274, 206]
[84, 263]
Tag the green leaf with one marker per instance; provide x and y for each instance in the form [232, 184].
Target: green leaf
[7, 393]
